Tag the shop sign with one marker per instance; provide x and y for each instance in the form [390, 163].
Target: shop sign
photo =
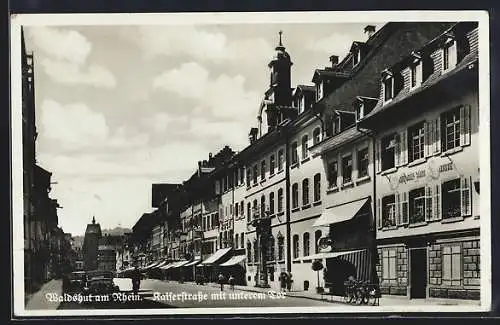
[431, 172]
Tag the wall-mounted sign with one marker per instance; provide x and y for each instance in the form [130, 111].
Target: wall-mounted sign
[430, 172]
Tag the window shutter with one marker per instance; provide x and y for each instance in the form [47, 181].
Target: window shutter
[466, 196]
[426, 139]
[397, 151]
[378, 153]
[404, 147]
[404, 209]
[428, 203]
[396, 209]
[465, 125]
[437, 135]
[437, 202]
[379, 214]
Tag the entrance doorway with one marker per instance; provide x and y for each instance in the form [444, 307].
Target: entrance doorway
[418, 273]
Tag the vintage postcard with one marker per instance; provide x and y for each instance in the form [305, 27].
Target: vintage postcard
[250, 163]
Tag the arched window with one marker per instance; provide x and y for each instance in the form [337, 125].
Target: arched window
[255, 211]
[295, 196]
[307, 243]
[262, 206]
[263, 170]
[281, 247]
[280, 160]
[305, 146]
[270, 249]
[305, 191]
[317, 236]
[293, 153]
[236, 209]
[316, 135]
[271, 203]
[249, 252]
[295, 246]
[242, 239]
[280, 200]
[317, 187]
[256, 251]
[249, 212]
[236, 241]
[272, 164]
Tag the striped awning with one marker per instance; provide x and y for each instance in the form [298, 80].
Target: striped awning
[159, 265]
[178, 264]
[235, 260]
[340, 213]
[193, 262]
[326, 255]
[216, 256]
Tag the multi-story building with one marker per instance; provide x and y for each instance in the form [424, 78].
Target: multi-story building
[90, 247]
[427, 167]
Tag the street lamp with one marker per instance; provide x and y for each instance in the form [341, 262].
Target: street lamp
[262, 224]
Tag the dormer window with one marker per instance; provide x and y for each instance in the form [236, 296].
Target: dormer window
[360, 112]
[336, 124]
[415, 72]
[356, 57]
[319, 90]
[388, 84]
[449, 54]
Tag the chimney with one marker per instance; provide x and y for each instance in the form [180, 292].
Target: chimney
[334, 59]
[370, 30]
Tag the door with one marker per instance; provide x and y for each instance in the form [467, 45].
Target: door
[418, 273]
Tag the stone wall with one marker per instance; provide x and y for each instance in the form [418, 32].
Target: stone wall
[398, 286]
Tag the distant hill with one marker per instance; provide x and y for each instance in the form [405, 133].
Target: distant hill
[117, 231]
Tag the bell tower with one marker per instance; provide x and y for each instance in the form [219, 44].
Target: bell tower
[279, 95]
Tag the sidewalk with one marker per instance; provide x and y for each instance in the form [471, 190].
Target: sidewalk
[384, 300]
[38, 299]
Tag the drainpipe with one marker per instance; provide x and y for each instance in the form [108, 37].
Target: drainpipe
[373, 245]
[287, 198]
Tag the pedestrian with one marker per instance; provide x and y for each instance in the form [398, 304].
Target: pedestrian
[231, 281]
[136, 280]
[221, 281]
[283, 280]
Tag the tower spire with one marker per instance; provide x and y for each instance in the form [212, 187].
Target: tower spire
[281, 33]
[93, 220]
[280, 46]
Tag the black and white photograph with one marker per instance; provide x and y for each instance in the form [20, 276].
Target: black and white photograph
[250, 163]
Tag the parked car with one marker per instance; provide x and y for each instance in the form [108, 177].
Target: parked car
[101, 283]
[74, 282]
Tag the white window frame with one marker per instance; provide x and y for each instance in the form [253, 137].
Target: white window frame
[416, 72]
[388, 77]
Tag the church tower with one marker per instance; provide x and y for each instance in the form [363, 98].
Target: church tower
[279, 96]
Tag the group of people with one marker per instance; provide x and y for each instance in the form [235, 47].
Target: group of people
[222, 280]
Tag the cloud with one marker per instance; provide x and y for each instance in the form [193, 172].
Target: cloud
[334, 44]
[61, 44]
[72, 74]
[224, 97]
[76, 127]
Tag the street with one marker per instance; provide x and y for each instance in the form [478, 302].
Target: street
[171, 294]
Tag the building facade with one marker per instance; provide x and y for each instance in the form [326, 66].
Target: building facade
[91, 245]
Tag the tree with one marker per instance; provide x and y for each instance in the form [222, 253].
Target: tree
[317, 266]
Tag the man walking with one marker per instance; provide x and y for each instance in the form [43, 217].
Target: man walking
[231, 281]
[221, 281]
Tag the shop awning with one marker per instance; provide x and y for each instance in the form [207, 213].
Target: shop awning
[330, 254]
[150, 265]
[235, 260]
[194, 262]
[166, 267]
[216, 256]
[162, 263]
[179, 264]
[340, 213]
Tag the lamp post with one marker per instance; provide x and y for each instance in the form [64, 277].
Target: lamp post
[262, 224]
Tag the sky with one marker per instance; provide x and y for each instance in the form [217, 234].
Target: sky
[119, 108]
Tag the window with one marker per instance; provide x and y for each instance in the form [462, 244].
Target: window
[363, 162]
[280, 160]
[415, 74]
[254, 174]
[336, 124]
[307, 244]
[271, 164]
[305, 191]
[249, 177]
[452, 265]
[242, 239]
[389, 211]
[295, 246]
[449, 55]
[281, 248]
[347, 169]
[317, 236]
[305, 152]
[236, 209]
[249, 252]
[417, 205]
[389, 264]
[263, 170]
[262, 206]
[242, 175]
[456, 196]
[256, 253]
[295, 158]
[388, 88]
[271, 203]
[295, 196]
[388, 151]
[236, 240]
[355, 57]
[270, 249]
[333, 173]
[451, 129]
[316, 136]
[280, 200]
[360, 111]
[319, 90]
[242, 207]
[249, 212]
[317, 187]
[416, 142]
[255, 210]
